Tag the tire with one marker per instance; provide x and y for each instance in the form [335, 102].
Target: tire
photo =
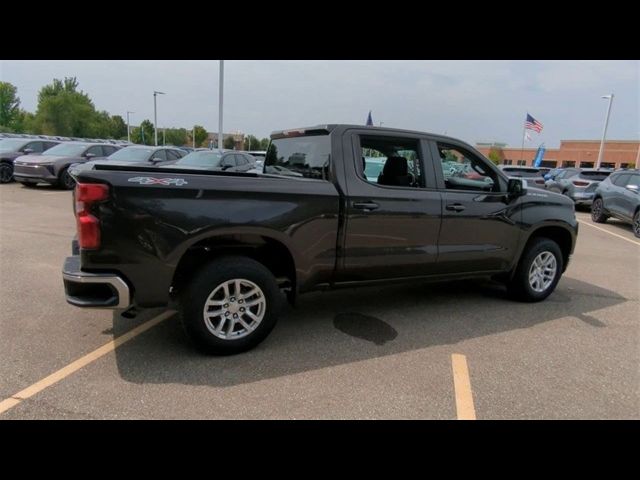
[597, 211]
[65, 180]
[6, 172]
[208, 285]
[520, 287]
[636, 224]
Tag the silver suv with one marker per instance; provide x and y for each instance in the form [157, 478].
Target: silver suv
[619, 196]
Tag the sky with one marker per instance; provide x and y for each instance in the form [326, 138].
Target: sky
[475, 100]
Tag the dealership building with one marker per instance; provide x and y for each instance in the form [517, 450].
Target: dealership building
[572, 153]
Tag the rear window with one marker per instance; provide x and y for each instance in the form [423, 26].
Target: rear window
[303, 156]
[597, 176]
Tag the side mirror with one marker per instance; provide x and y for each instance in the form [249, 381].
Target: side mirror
[517, 187]
[90, 155]
[156, 160]
[27, 151]
[633, 188]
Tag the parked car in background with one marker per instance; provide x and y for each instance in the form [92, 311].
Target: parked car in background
[216, 160]
[551, 174]
[618, 196]
[12, 148]
[533, 175]
[145, 154]
[53, 166]
[579, 184]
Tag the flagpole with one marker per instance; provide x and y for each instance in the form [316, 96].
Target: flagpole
[524, 130]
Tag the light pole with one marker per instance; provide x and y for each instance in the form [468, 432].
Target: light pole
[604, 133]
[128, 129]
[220, 144]
[155, 115]
[193, 137]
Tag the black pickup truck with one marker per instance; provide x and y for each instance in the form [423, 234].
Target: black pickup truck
[225, 246]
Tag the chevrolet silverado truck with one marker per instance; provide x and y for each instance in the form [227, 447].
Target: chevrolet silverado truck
[227, 248]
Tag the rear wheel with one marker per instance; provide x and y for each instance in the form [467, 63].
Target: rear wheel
[230, 306]
[538, 271]
[66, 181]
[636, 224]
[597, 211]
[6, 172]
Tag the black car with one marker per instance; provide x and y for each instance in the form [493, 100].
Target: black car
[618, 196]
[12, 148]
[228, 247]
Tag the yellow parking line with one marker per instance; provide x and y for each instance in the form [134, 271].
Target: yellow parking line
[610, 233]
[462, 387]
[81, 362]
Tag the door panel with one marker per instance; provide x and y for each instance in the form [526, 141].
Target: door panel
[390, 231]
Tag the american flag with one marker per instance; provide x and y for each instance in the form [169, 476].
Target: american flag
[532, 124]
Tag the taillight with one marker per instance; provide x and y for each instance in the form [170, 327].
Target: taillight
[578, 183]
[86, 194]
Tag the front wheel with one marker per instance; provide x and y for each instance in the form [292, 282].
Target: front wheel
[636, 224]
[230, 306]
[66, 181]
[538, 271]
[597, 211]
[6, 173]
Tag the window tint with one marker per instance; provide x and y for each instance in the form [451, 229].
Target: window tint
[96, 150]
[36, 147]
[463, 170]
[391, 161]
[108, 150]
[300, 156]
[228, 161]
[633, 180]
[172, 155]
[49, 145]
[240, 160]
[620, 180]
[159, 155]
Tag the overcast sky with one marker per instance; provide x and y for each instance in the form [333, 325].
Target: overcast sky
[477, 101]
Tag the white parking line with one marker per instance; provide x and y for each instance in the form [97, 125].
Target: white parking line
[76, 365]
[610, 233]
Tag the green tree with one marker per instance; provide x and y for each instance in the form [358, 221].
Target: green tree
[496, 155]
[177, 136]
[63, 110]
[201, 135]
[118, 127]
[264, 143]
[9, 104]
[229, 143]
[251, 143]
[143, 135]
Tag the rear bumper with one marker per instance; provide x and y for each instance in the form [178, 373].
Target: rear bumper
[582, 198]
[93, 290]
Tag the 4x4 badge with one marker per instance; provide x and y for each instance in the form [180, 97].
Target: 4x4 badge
[158, 181]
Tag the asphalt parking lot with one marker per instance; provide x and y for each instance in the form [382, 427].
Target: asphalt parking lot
[419, 351]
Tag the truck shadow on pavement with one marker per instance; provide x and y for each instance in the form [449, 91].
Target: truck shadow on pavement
[344, 326]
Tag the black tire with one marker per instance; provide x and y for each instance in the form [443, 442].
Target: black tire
[6, 172]
[205, 282]
[597, 211]
[65, 180]
[636, 224]
[519, 287]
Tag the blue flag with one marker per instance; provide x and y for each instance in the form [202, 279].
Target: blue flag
[539, 155]
[369, 120]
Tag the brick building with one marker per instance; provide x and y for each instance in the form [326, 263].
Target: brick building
[572, 153]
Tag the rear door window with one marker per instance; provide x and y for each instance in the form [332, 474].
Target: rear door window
[621, 179]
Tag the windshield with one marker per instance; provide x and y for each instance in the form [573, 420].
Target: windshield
[12, 144]
[67, 150]
[306, 156]
[132, 154]
[200, 159]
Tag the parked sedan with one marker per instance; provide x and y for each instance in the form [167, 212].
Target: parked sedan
[53, 167]
[618, 196]
[228, 161]
[578, 184]
[143, 154]
[12, 148]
